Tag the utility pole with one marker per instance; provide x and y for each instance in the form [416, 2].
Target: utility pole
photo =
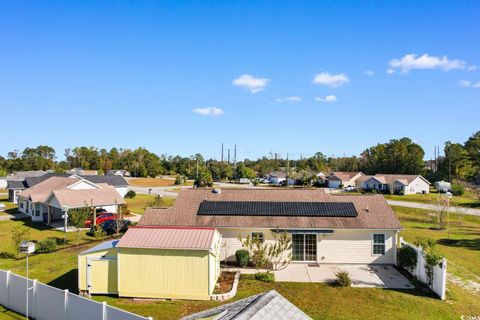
[222, 152]
[229, 156]
[235, 156]
[287, 169]
[197, 169]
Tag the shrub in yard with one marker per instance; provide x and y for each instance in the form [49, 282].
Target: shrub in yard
[343, 279]
[457, 190]
[46, 245]
[407, 257]
[97, 232]
[242, 257]
[265, 276]
[130, 194]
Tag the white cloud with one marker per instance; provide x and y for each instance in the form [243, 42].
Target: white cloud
[327, 99]
[289, 99]
[252, 83]
[368, 73]
[413, 61]
[465, 83]
[472, 68]
[390, 71]
[210, 111]
[476, 85]
[330, 80]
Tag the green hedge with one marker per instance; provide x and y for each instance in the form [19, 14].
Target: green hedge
[242, 257]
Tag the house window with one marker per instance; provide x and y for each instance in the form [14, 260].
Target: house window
[258, 236]
[379, 243]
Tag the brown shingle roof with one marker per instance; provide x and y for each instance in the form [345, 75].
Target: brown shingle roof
[373, 211]
[107, 195]
[41, 191]
[403, 178]
[345, 176]
[168, 238]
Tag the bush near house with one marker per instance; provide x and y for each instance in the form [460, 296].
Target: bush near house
[242, 257]
[458, 190]
[343, 279]
[407, 257]
[265, 276]
[130, 194]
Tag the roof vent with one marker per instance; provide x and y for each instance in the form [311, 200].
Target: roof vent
[367, 209]
[217, 190]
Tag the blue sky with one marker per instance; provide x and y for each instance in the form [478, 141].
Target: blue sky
[181, 77]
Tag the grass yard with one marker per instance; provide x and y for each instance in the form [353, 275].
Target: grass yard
[10, 207]
[468, 200]
[462, 249]
[155, 182]
[320, 301]
[142, 201]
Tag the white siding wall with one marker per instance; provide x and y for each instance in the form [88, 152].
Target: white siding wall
[342, 246]
[334, 183]
[417, 186]
[122, 190]
[82, 185]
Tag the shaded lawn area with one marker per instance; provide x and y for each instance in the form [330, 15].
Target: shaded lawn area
[468, 200]
[155, 182]
[143, 201]
[10, 207]
[462, 249]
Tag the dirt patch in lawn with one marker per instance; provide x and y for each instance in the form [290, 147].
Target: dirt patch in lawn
[225, 282]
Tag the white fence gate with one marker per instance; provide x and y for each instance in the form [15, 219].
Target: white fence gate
[439, 282]
[50, 303]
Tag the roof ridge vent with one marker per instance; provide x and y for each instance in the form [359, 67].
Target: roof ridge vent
[217, 190]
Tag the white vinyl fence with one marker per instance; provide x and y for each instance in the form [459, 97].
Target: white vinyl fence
[48, 303]
[439, 282]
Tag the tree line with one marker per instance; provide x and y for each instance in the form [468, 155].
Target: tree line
[402, 156]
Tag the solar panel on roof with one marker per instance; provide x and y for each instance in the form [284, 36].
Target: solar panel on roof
[275, 208]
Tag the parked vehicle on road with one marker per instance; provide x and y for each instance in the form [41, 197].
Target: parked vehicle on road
[101, 218]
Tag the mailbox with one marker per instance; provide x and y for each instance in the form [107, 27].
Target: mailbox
[27, 247]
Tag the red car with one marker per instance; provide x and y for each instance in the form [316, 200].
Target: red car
[102, 218]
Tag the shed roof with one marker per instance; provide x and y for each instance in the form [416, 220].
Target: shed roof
[77, 198]
[102, 246]
[267, 305]
[182, 238]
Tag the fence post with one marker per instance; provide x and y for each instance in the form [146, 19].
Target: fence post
[444, 278]
[7, 285]
[34, 298]
[104, 310]
[419, 263]
[65, 304]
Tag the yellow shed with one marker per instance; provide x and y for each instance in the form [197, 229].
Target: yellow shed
[168, 262]
[97, 269]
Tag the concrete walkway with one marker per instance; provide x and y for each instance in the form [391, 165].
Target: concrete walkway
[427, 206]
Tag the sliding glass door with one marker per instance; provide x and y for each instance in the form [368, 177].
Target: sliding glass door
[304, 247]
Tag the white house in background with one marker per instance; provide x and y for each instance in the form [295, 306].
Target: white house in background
[82, 172]
[397, 184]
[443, 186]
[277, 177]
[47, 200]
[123, 173]
[345, 179]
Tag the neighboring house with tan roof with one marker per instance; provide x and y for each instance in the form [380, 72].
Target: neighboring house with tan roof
[47, 200]
[343, 179]
[324, 228]
[82, 172]
[397, 184]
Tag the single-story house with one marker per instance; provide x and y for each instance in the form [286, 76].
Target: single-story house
[49, 200]
[154, 262]
[82, 172]
[397, 184]
[344, 179]
[14, 187]
[324, 228]
[266, 305]
[277, 177]
[443, 186]
[123, 173]
[15, 182]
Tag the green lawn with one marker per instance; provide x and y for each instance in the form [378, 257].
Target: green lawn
[318, 300]
[461, 246]
[142, 201]
[468, 200]
[10, 206]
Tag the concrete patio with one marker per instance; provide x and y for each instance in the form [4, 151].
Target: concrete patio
[363, 276]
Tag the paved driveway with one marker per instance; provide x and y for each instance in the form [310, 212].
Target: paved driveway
[362, 275]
